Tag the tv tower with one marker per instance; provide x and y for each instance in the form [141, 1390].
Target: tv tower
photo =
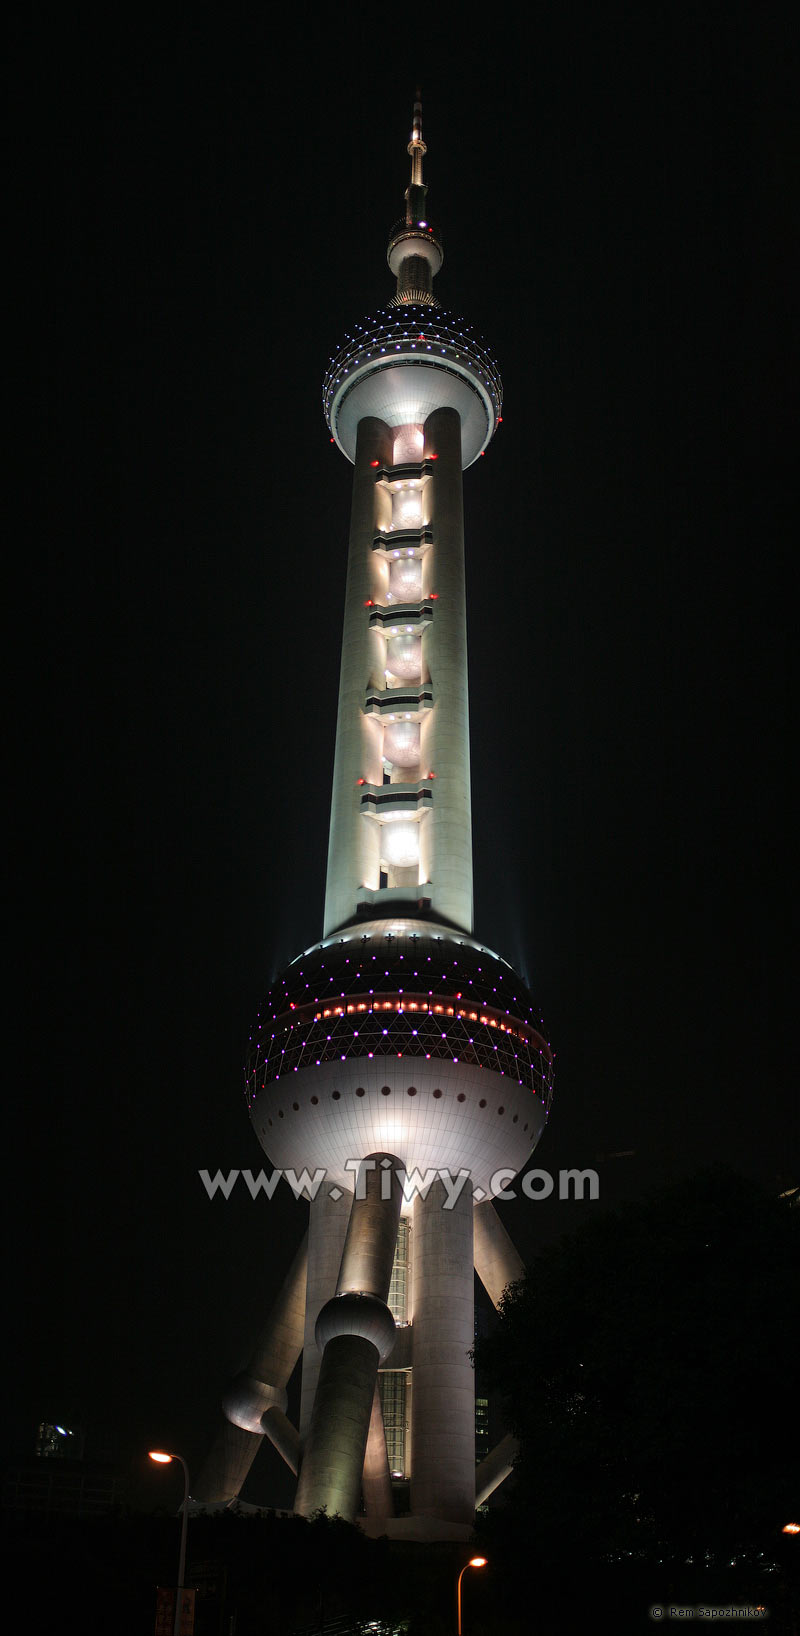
[399, 1058]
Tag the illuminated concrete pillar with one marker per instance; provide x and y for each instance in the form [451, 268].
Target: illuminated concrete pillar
[354, 1333]
[327, 1226]
[497, 1262]
[283, 1436]
[443, 1403]
[227, 1465]
[260, 1388]
[445, 731]
[353, 847]
[495, 1468]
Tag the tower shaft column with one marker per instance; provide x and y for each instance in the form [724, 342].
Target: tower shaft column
[354, 1332]
[327, 1226]
[353, 848]
[443, 1401]
[445, 732]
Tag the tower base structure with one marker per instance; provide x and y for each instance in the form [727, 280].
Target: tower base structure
[401, 1064]
[343, 1460]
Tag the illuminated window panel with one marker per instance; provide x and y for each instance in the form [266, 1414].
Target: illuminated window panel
[408, 445]
[401, 743]
[405, 579]
[392, 1386]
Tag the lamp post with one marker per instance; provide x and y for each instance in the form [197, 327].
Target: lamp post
[163, 1459]
[474, 1562]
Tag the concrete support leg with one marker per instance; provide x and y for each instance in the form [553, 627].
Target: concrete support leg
[283, 1436]
[495, 1468]
[259, 1388]
[226, 1466]
[377, 1484]
[497, 1263]
[354, 1332]
[327, 1226]
[333, 1458]
[443, 1403]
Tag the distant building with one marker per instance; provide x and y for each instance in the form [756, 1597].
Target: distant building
[58, 1481]
[56, 1442]
[63, 1487]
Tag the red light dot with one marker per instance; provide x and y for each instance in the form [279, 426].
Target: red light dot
[372, 462]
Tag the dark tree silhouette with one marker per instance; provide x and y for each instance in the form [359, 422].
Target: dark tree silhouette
[648, 1363]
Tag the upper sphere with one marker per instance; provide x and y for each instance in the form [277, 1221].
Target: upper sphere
[404, 362]
[414, 239]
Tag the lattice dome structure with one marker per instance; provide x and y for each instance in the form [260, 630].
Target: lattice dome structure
[382, 992]
[405, 362]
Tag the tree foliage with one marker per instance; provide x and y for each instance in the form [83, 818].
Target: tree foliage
[648, 1364]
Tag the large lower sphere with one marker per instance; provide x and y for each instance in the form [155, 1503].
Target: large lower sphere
[433, 1115]
[399, 1037]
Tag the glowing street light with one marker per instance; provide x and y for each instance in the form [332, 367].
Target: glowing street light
[474, 1562]
[791, 1528]
[163, 1459]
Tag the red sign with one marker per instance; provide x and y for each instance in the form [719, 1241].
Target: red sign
[165, 1611]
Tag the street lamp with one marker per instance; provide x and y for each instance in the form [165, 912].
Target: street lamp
[163, 1459]
[474, 1562]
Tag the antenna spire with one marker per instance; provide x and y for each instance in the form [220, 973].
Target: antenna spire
[416, 146]
[415, 246]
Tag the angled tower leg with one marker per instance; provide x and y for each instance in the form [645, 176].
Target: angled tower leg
[497, 1263]
[495, 1468]
[354, 1331]
[260, 1389]
[227, 1465]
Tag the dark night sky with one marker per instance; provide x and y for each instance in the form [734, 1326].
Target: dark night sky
[203, 214]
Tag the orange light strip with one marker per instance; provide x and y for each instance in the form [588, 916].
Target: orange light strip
[426, 1004]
